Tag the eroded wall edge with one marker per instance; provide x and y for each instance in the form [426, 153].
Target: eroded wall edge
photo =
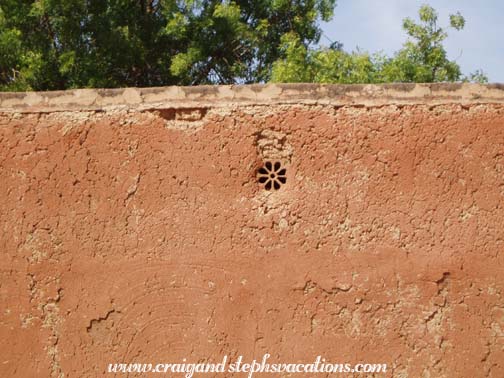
[257, 94]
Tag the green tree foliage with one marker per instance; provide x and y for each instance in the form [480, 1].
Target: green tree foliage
[60, 44]
[422, 58]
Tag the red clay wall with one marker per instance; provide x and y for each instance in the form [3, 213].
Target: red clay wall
[133, 229]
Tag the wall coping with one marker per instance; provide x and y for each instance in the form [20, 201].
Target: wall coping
[256, 94]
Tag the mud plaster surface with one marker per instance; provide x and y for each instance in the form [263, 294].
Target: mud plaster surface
[143, 235]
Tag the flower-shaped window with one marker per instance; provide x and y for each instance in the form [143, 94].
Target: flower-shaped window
[272, 175]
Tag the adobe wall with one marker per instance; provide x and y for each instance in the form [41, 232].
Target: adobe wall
[134, 228]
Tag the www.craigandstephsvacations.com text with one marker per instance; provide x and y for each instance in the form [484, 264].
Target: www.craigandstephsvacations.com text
[189, 370]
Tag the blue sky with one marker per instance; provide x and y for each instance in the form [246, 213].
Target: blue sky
[376, 25]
